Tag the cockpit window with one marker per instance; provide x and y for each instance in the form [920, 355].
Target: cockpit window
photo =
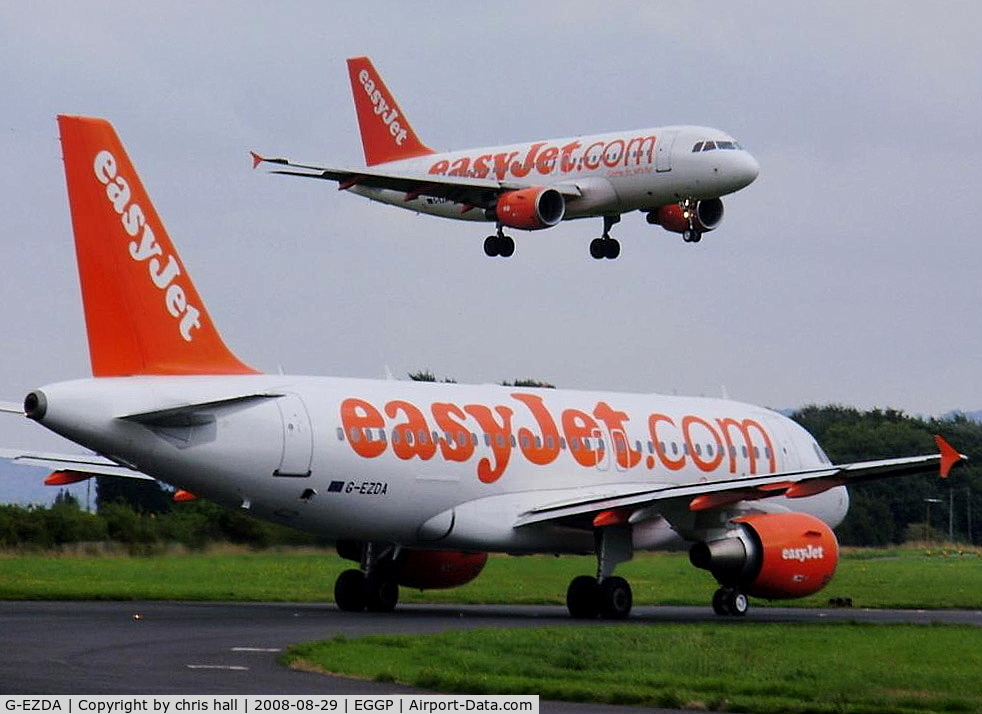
[713, 145]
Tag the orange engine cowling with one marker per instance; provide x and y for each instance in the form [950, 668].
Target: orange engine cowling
[436, 569]
[707, 215]
[773, 556]
[531, 209]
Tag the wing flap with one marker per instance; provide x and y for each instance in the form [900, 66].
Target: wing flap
[478, 192]
[716, 494]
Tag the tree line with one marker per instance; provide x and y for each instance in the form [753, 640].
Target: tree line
[142, 514]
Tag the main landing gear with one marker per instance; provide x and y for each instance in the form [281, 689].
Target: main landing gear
[730, 602]
[499, 244]
[605, 246]
[374, 587]
[606, 595]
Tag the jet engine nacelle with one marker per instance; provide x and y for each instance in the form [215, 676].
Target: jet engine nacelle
[437, 569]
[531, 209]
[707, 215]
[772, 556]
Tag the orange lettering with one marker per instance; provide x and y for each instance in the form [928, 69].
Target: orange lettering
[459, 167]
[500, 437]
[743, 428]
[357, 415]
[713, 463]
[458, 447]
[673, 464]
[627, 457]
[579, 428]
[440, 167]
[412, 437]
[501, 162]
[521, 170]
[542, 449]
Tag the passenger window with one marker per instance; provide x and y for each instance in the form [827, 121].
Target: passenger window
[354, 435]
[340, 434]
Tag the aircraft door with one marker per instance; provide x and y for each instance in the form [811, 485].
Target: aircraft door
[784, 446]
[298, 437]
[663, 151]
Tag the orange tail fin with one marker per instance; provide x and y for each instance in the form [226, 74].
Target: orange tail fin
[142, 312]
[386, 134]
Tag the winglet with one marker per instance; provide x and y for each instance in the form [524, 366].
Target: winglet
[256, 159]
[949, 456]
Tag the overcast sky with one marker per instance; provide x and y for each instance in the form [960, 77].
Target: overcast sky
[848, 272]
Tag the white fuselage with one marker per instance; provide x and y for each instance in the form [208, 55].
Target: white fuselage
[428, 465]
[614, 173]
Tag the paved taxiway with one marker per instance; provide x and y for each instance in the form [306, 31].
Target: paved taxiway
[231, 648]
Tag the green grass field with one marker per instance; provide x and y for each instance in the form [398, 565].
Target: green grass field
[748, 668]
[731, 665]
[892, 578]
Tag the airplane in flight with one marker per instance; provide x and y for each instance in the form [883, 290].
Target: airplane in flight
[675, 175]
[418, 482]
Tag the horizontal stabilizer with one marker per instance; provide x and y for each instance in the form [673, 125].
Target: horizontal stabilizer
[91, 464]
[193, 414]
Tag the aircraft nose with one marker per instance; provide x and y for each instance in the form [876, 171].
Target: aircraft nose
[746, 169]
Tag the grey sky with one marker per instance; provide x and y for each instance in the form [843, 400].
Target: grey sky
[847, 273]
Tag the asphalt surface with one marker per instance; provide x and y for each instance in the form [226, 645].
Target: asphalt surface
[232, 648]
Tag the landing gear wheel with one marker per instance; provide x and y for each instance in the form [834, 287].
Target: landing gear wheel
[612, 248]
[491, 246]
[737, 603]
[615, 598]
[728, 602]
[597, 250]
[506, 246]
[381, 594]
[583, 598]
[349, 591]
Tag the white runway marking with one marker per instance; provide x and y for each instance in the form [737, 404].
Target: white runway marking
[232, 667]
[257, 649]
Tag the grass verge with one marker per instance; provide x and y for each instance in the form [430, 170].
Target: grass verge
[891, 578]
[753, 668]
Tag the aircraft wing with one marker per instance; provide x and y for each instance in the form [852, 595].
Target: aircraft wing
[597, 509]
[477, 192]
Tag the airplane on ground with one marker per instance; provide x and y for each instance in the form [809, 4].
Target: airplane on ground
[417, 482]
[673, 174]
